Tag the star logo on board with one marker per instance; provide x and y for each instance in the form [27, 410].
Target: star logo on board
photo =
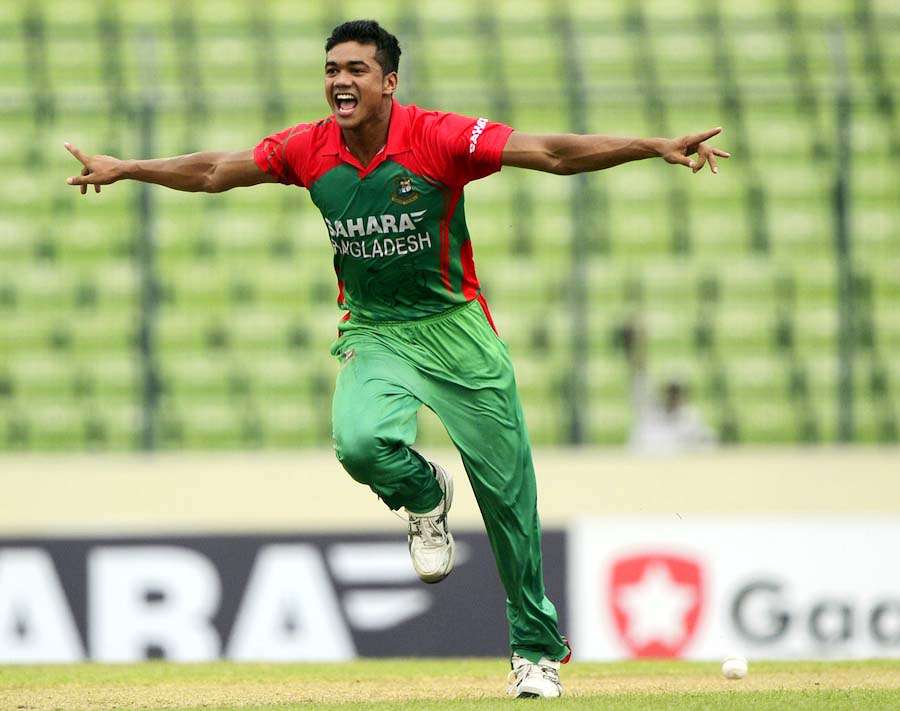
[656, 602]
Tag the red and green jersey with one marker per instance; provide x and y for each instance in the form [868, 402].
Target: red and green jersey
[397, 226]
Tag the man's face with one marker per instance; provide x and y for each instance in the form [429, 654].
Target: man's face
[354, 84]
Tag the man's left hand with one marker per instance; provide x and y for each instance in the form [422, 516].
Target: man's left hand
[679, 150]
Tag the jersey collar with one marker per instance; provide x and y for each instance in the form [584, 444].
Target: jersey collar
[397, 140]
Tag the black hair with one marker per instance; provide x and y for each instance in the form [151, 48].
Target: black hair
[369, 32]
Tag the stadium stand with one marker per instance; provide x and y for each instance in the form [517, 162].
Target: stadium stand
[734, 276]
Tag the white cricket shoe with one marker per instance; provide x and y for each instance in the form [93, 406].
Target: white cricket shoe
[431, 545]
[528, 680]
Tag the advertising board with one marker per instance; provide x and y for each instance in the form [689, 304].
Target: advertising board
[259, 598]
[767, 588]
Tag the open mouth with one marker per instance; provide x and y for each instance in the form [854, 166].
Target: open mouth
[345, 104]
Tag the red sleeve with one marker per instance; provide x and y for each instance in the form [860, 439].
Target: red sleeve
[283, 154]
[461, 149]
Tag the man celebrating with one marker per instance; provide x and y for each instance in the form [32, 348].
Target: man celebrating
[389, 181]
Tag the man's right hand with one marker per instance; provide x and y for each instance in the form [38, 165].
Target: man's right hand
[97, 170]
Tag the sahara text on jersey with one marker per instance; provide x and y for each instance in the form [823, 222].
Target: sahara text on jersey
[383, 224]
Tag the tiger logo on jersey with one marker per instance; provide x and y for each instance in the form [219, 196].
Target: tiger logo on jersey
[404, 192]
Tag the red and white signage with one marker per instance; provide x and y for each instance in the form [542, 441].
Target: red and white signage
[702, 589]
[655, 601]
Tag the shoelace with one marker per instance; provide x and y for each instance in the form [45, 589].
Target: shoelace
[430, 529]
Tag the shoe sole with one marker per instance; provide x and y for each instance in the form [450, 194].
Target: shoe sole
[535, 695]
[524, 694]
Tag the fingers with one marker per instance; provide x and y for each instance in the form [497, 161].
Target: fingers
[77, 153]
[85, 171]
[705, 136]
[82, 181]
[700, 162]
[707, 154]
[710, 153]
[681, 159]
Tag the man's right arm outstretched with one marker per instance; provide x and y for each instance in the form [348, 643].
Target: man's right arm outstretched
[209, 172]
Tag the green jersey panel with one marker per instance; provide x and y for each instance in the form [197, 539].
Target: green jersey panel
[397, 239]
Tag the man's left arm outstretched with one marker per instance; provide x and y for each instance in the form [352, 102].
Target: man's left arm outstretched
[567, 154]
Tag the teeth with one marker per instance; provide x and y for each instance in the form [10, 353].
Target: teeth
[342, 97]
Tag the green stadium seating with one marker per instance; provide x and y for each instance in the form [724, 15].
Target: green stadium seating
[733, 276]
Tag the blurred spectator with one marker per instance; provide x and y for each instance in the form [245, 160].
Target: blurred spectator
[664, 423]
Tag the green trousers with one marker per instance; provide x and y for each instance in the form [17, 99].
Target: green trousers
[457, 366]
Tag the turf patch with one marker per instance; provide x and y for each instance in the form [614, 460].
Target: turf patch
[446, 684]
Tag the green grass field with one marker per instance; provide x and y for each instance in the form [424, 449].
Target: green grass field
[473, 685]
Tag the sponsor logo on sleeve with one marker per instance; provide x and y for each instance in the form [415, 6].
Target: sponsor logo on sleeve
[477, 130]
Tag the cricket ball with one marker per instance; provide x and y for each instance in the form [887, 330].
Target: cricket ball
[734, 667]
